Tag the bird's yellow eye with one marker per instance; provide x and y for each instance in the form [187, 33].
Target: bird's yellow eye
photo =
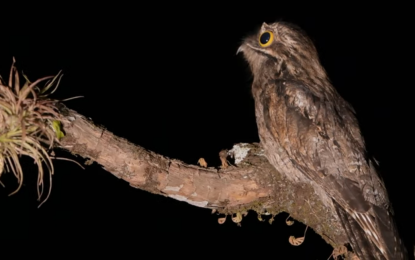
[266, 38]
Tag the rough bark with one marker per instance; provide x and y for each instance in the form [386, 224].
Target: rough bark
[253, 184]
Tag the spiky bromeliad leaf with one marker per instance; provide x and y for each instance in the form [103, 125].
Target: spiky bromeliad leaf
[28, 121]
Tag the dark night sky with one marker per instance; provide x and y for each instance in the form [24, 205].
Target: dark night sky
[170, 81]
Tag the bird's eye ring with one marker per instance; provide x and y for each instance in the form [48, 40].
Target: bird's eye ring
[266, 39]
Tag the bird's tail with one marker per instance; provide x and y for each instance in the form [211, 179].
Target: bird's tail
[378, 242]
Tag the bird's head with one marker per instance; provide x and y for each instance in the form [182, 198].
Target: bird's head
[282, 48]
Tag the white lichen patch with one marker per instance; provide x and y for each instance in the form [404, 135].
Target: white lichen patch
[239, 152]
[173, 188]
[201, 204]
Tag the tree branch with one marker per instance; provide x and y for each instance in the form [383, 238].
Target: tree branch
[253, 184]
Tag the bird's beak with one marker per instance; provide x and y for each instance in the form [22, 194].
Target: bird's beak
[240, 49]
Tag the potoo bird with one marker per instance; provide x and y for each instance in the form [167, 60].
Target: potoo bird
[310, 134]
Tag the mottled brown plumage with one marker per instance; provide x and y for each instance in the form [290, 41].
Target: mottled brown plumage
[309, 133]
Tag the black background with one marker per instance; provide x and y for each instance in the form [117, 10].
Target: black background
[166, 77]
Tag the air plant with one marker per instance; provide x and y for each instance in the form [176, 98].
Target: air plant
[29, 125]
